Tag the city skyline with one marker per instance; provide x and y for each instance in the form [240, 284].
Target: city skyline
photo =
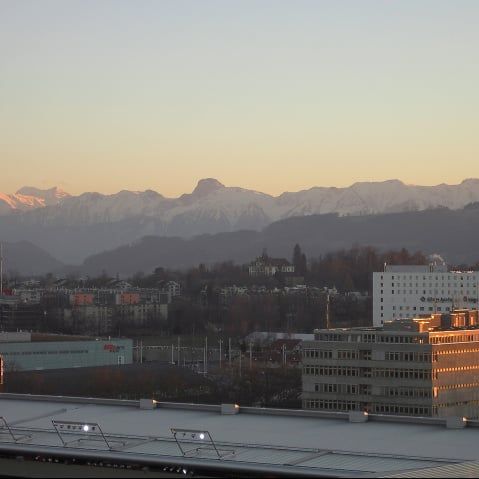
[271, 96]
[257, 207]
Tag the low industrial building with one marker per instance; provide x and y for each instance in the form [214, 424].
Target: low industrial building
[24, 351]
[419, 367]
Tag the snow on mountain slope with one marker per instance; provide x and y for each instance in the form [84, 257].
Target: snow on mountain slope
[213, 207]
[30, 198]
[379, 197]
[51, 196]
[17, 202]
[224, 209]
[92, 208]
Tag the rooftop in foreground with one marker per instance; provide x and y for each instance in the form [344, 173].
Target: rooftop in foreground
[255, 441]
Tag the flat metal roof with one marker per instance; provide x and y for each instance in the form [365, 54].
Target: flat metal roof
[255, 440]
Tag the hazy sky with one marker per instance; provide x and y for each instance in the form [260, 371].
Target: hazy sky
[267, 94]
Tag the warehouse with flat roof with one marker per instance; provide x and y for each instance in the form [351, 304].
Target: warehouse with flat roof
[24, 351]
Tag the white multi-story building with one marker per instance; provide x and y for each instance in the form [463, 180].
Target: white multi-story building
[411, 291]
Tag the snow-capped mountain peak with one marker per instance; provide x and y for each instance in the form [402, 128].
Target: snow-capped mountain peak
[51, 196]
[214, 207]
[30, 198]
[207, 186]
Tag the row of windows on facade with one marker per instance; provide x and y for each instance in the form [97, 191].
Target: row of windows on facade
[378, 338]
[65, 351]
[451, 387]
[371, 338]
[388, 356]
[338, 405]
[454, 338]
[425, 291]
[369, 372]
[442, 277]
[401, 409]
[366, 389]
[421, 308]
[396, 373]
[473, 402]
[366, 355]
[29, 353]
[448, 352]
[391, 355]
[331, 404]
[336, 388]
[415, 308]
[431, 285]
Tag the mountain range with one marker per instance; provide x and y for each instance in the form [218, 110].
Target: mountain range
[74, 227]
[453, 234]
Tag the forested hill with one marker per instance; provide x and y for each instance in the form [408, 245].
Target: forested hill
[454, 234]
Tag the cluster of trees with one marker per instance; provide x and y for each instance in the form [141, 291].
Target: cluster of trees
[346, 269]
[351, 270]
[278, 387]
[267, 312]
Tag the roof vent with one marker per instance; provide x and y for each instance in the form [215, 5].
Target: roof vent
[456, 422]
[147, 404]
[358, 416]
[229, 409]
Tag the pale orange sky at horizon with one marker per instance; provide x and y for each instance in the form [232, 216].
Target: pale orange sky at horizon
[272, 96]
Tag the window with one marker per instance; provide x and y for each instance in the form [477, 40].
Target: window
[348, 354]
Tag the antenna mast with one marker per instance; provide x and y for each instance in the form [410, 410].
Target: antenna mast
[327, 312]
[1, 269]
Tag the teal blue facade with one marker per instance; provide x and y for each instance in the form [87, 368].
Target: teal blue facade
[31, 356]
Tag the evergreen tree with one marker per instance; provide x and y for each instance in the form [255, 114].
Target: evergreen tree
[299, 261]
[296, 255]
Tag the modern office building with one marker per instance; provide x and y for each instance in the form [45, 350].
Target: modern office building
[29, 351]
[420, 367]
[409, 291]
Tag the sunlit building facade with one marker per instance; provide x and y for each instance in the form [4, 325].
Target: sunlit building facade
[420, 367]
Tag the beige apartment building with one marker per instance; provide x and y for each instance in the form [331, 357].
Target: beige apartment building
[416, 366]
